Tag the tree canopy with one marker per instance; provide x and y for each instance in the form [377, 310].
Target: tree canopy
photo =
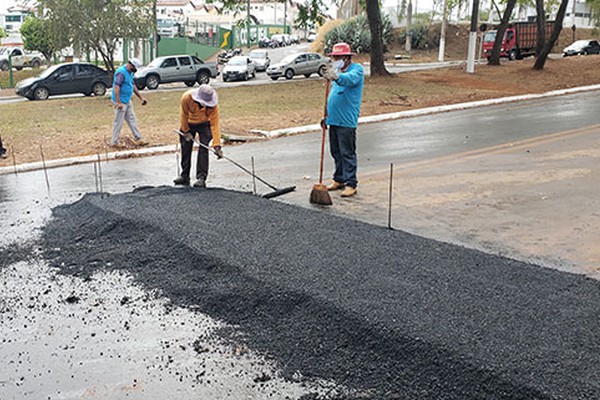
[37, 36]
[98, 25]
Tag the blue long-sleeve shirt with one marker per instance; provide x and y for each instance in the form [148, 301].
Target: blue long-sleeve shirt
[343, 104]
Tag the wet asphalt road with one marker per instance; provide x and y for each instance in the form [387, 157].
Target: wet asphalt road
[422, 317]
[384, 313]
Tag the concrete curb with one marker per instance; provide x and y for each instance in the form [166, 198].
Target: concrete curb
[438, 109]
[296, 130]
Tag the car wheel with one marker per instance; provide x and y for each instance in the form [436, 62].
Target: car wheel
[289, 74]
[4, 66]
[41, 93]
[321, 70]
[512, 56]
[36, 64]
[202, 78]
[254, 74]
[307, 75]
[274, 78]
[189, 83]
[585, 52]
[99, 89]
[152, 82]
[18, 68]
[224, 79]
[246, 76]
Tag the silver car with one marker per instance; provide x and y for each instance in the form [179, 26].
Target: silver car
[239, 68]
[298, 64]
[261, 59]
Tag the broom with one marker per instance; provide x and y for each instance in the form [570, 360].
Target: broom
[319, 193]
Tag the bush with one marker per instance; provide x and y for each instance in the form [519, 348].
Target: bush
[421, 38]
[357, 34]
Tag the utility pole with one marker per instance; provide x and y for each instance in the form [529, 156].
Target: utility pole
[473, 38]
[408, 45]
[248, 23]
[573, 25]
[442, 48]
[154, 31]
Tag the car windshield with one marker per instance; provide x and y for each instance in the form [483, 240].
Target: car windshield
[580, 43]
[49, 71]
[156, 62]
[238, 61]
[289, 58]
[489, 37]
[258, 54]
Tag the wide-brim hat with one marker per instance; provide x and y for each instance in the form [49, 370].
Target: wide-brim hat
[341, 49]
[206, 95]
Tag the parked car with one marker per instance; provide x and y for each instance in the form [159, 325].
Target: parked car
[20, 58]
[278, 40]
[583, 47]
[261, 59]
[239, 67]
[295, 39]
[311, 37]
[298, 64]
[66, 79]
[178, 68]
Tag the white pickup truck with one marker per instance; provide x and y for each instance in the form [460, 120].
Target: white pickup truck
[20, 58]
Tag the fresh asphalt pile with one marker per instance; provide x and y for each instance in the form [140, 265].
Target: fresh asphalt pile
[384, 313]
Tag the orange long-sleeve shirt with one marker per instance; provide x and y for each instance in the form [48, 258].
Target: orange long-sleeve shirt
[192, 113]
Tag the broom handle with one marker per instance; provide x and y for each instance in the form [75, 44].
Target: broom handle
[323, 129]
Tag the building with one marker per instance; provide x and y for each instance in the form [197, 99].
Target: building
[13, 16]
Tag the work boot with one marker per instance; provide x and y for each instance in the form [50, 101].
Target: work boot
[349, 191]
[140, 142]
[335, 185]
[181, 180]
[200, 183]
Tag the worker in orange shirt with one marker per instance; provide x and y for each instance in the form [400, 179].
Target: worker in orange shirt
[199, 115]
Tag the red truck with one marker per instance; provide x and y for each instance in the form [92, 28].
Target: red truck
[520, 39]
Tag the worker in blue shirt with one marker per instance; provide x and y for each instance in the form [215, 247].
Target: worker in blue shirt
[123, 90]
[343, 108]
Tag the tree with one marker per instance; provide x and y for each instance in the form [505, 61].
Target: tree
[37, 36]
[310, 14]
[2, 33]
[376, 28]
[541, 26]
[543, 55]
[495, 56]
[99, 25]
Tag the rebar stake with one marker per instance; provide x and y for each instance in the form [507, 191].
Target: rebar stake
[100, 172]
[253, 177]
[12, 148]
[45, 169]
[177, 158]
[390, 196]
[96, 175]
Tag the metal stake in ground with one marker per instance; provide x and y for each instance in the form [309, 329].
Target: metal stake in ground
[96, 176]
[12, 149]
[45, 169]
[253, 177]
[390, 196]
[100, 173]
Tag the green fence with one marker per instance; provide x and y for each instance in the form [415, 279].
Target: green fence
[172, 46]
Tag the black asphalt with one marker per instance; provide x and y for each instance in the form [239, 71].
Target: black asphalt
[388, 314]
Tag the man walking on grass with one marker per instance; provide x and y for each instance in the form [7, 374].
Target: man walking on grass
[343, 108]
[123, 90]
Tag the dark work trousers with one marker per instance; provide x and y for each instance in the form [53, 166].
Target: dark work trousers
[204, 136]
[342, 143]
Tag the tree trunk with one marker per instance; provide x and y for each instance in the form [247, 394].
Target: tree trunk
[541, 26]
[560, 16]
[442, 48]
[409, 10]
[376, 27]
[495, 56]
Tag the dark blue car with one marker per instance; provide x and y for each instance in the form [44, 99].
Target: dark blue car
[66, 79]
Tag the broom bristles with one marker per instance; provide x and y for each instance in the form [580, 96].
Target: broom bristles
[320, 195]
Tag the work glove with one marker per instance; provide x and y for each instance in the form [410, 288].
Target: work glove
[188, 136]
[218, 151]
[329, 73]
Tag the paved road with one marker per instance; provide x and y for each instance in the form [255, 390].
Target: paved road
[102, 335]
